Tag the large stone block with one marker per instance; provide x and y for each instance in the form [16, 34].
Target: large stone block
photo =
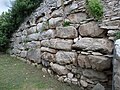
[101, 45]
[77, 17]
[63, 57]
[60, 70]
[99, 63]
[69, 32]
[57, 44]
[91, 29]
[33, 44]
[95, 75]
[34, 55]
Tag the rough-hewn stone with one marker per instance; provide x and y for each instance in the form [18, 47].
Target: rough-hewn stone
[77, 18]
[47, 34]
[48, 57]
[31, 30]
[94, 74]
[98, 87]
[33, 37]
[61, 70]
[23, 54]
[99, 63]
[53, 22]
[34, 55]
[33, 44]
[66, 32]
[58, 44]
[102, 45]
[91, 29]
[66, 57]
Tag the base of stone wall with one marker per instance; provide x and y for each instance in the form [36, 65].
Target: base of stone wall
[81, 81]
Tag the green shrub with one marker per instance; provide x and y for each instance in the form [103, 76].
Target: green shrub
[3, 41]
[95, 9]
[66, 23]
[117, 35]
[11, 20]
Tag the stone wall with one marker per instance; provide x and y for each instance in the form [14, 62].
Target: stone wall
[80, 53]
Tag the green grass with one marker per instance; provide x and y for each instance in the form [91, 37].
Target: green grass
[17, 75]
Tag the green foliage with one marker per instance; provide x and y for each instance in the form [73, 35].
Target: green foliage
[66, 23]
[117, 35]
[11, 20]
[95, 8]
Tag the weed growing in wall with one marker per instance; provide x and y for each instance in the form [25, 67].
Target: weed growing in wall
[66, 23]
[117, 35]
[95, 8]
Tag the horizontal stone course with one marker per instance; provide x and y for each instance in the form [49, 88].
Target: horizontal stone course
[68, 32]
[58, 44]
[101, 45]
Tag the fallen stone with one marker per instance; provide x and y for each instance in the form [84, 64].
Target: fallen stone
[44, 70]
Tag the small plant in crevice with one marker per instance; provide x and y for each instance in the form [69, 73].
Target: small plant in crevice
[94, 9]
[117, 35]
[66, 23]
